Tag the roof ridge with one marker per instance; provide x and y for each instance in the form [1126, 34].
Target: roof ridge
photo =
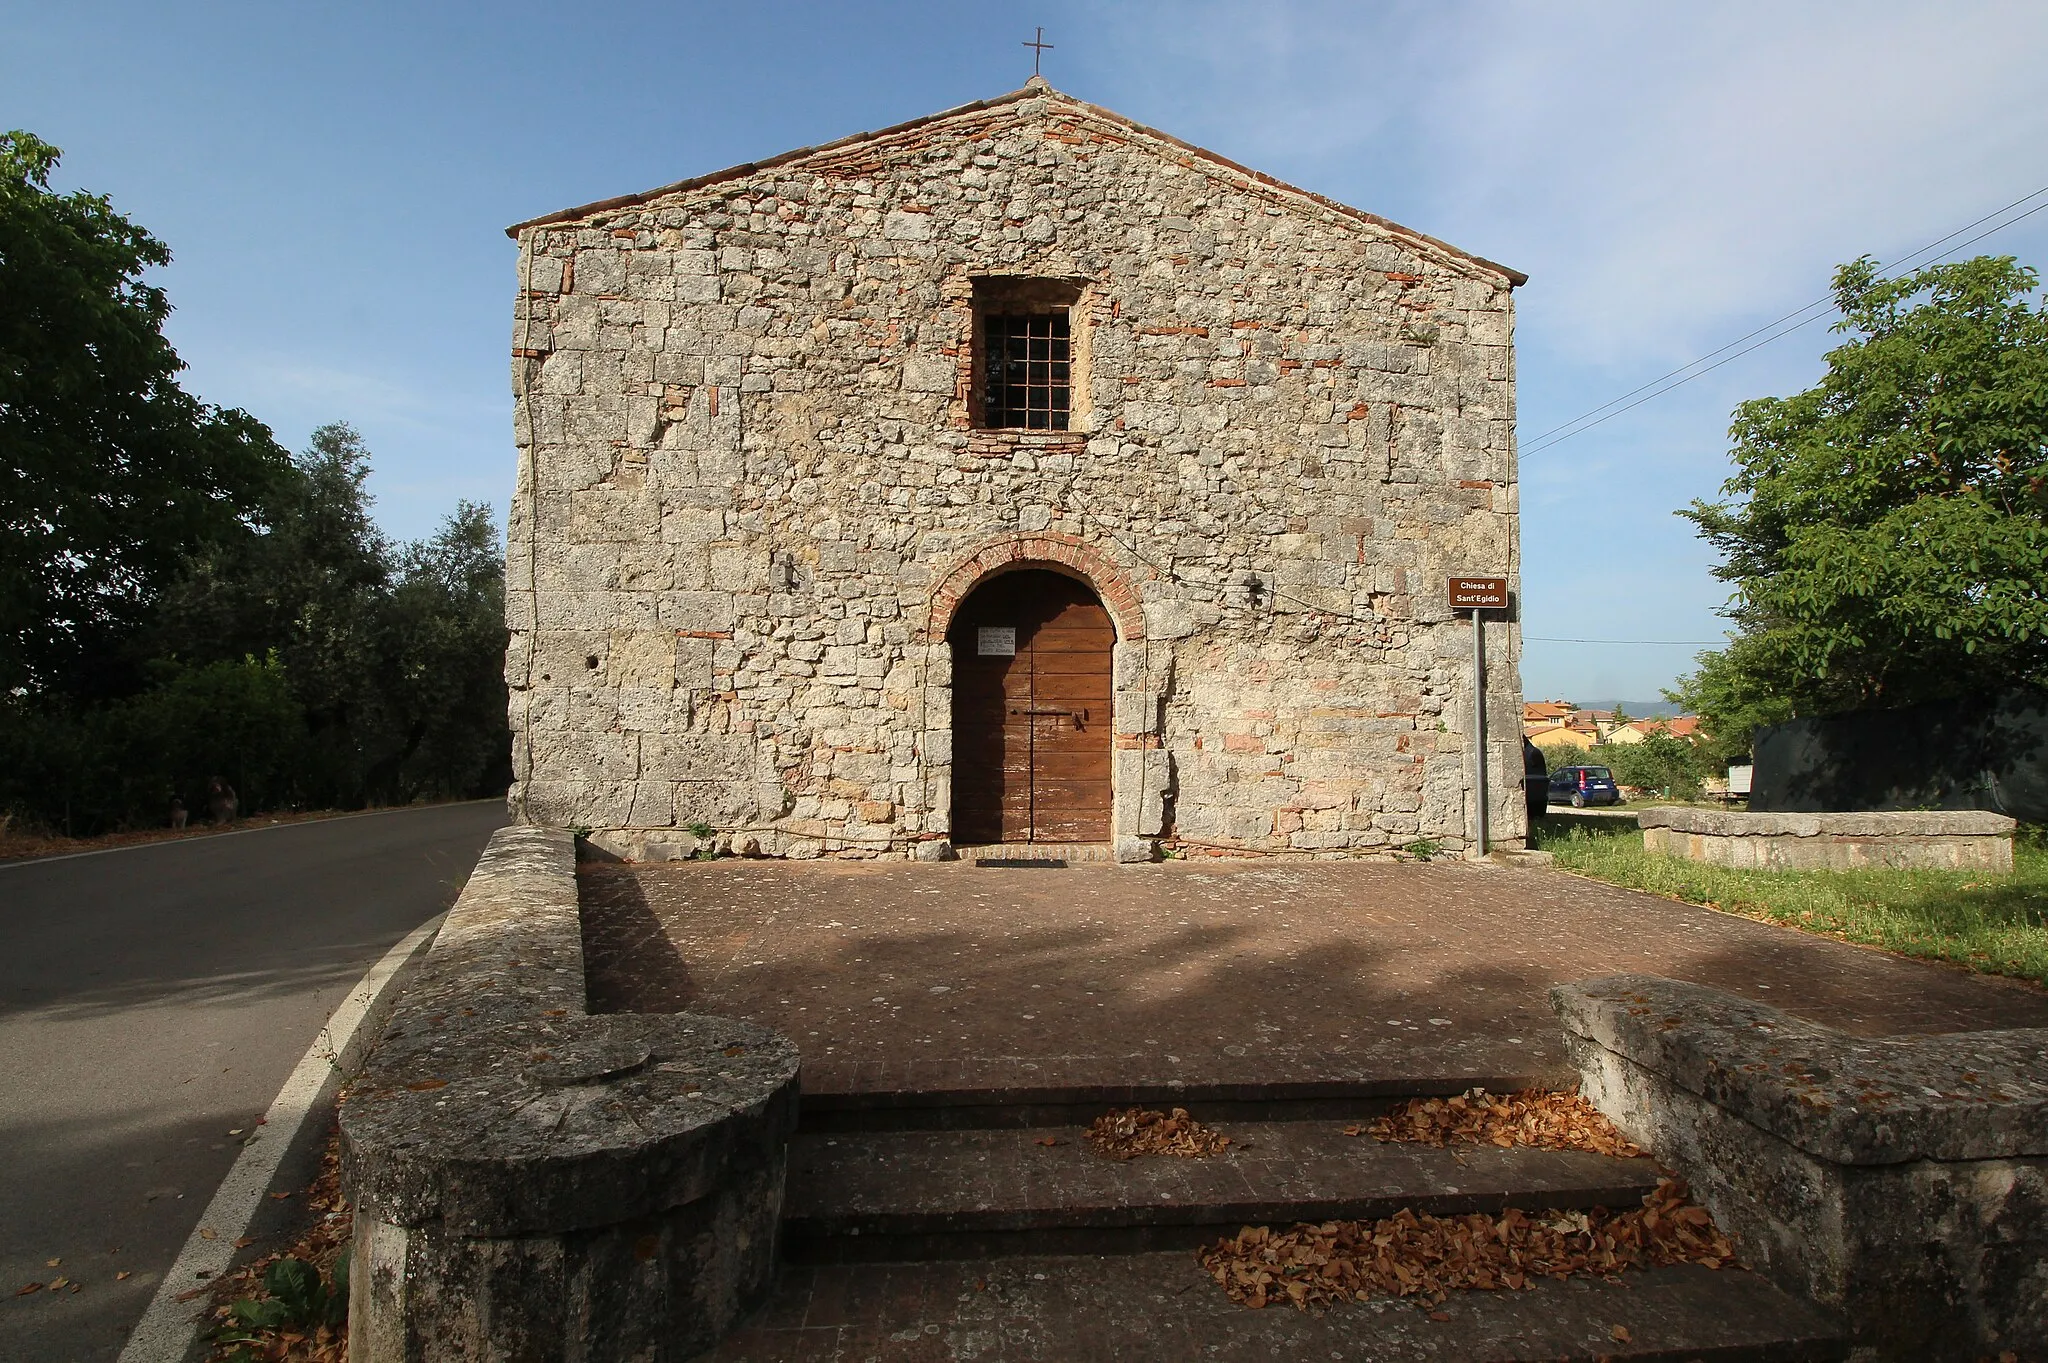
[1036, 88]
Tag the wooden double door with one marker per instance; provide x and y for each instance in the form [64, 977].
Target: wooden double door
[1031, 711]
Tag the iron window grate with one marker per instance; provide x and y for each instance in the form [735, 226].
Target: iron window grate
[1027, 359]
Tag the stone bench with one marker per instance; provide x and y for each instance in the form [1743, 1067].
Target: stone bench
[533, 1182]
[1944, 839]
[1902, 1181]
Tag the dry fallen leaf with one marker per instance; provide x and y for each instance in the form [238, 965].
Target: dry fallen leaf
[1533, 1117]
[244, 1241]
[1619, 1334]
[1047, 1140]
[59, 1281]
[122, 1275]
[208, 1233]
[26, 1288]
[51, 1263]
[1139, 1131]
[1411, 1254]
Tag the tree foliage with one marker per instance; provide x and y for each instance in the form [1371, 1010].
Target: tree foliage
[110, 473]
[1886, 531]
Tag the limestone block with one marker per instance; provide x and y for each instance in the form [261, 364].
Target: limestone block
[657, 709]
[699, 757]
[722, 804]
[1139, 779]
[699, 613]
[1136, 712]
[694, 663]
[641, 658]
[612, 514]
[692, 525]
[930, 374]
[569, 657]
[653, 804]
[1135, 850]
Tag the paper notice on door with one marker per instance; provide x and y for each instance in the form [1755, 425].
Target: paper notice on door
[995, 641]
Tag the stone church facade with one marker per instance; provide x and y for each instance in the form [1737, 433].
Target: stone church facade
[1017, 474]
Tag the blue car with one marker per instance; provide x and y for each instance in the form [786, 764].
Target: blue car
[1582, 786]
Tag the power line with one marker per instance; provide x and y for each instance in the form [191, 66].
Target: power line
[1664, 384]
[1672, 643]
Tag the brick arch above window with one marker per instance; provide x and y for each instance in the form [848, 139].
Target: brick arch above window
[1067, 554]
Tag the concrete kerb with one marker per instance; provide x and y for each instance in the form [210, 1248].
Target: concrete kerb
[532, 1181]
[170, 1326]
[1902, 1181]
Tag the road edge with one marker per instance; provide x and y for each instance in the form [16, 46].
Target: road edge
[253, 827]
[168, 1327]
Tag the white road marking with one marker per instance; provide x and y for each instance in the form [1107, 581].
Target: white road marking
[168, 1327]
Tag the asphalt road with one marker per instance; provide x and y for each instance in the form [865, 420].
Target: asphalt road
[154, 999]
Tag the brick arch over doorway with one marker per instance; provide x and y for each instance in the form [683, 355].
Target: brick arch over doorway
[1060, 553]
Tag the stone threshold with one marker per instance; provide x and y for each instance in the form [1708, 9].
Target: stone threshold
[1047, 854]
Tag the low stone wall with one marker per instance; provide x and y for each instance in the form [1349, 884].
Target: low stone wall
[1956, 840]
[532, 1182]
[1900, 1180]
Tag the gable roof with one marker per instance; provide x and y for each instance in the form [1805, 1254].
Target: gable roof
[1036, 87]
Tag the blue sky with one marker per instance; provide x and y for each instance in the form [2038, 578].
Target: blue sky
[334, 181]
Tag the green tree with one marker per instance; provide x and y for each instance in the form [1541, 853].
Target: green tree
[110, 473]
[1662, 762]
[444, 646]
[1887, 530]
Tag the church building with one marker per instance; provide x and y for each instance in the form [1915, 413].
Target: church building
[1017, 475]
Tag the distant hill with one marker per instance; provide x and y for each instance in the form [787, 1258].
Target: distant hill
[1635, 709]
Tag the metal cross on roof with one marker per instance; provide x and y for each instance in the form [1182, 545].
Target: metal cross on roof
[1040, 46]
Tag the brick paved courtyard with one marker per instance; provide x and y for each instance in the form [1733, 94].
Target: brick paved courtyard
[900, 976]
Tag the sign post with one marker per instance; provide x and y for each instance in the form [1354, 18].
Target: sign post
[1478, 594]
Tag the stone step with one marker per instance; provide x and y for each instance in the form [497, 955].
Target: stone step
[1162, 1308]
[955, 1194]
[958, 1095]
[1047, 854]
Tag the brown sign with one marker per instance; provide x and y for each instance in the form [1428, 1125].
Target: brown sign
[1479, 593]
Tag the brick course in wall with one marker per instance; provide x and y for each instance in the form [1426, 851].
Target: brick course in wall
[752, 493]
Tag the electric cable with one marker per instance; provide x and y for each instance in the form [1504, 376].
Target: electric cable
[1582, 423]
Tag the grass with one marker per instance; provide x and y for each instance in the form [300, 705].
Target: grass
[1991, 923]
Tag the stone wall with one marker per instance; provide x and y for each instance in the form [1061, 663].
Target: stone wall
[1902, 1181]
[750, 481]
[1943, 839]
[532, 1182]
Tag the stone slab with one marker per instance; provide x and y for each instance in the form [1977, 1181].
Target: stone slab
[1846, 1099]
[1961, 840]
[933, 1187]
[1734, 823]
